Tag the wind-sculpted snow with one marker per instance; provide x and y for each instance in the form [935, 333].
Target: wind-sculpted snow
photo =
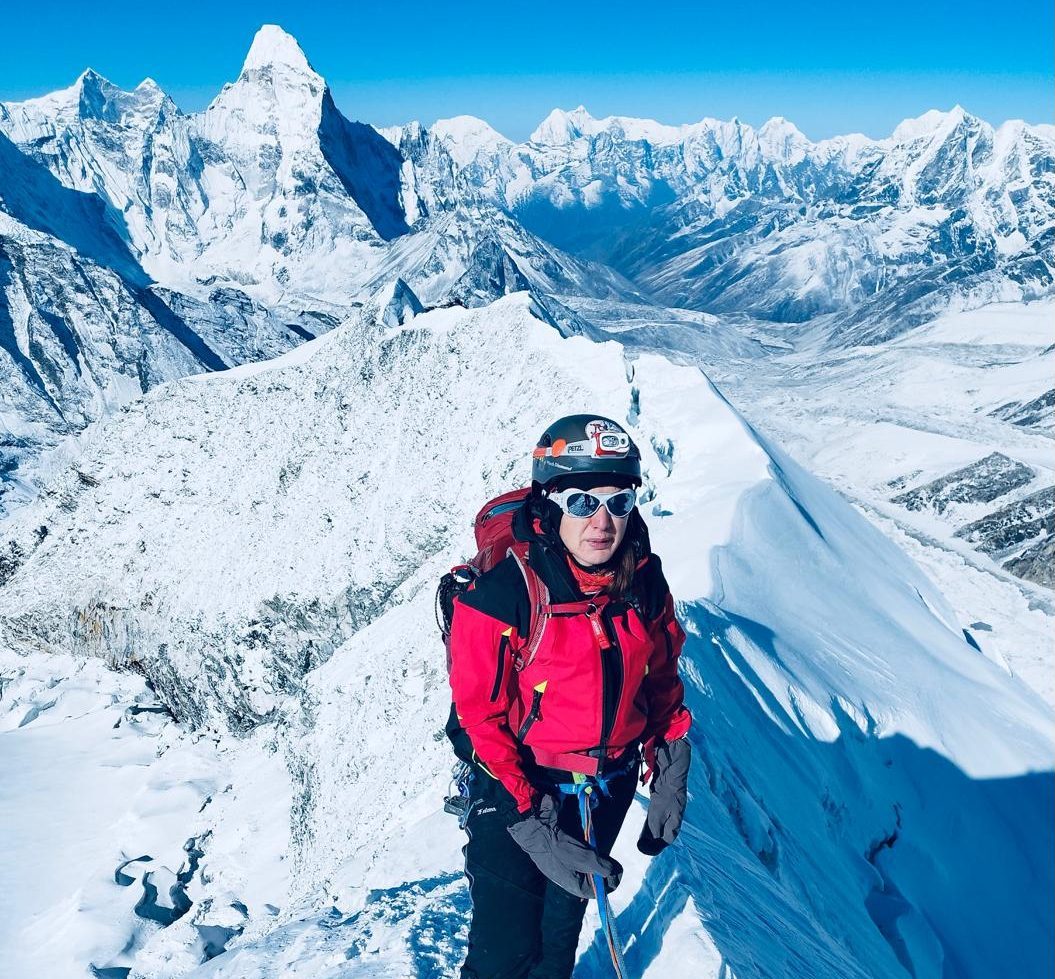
[871, 795]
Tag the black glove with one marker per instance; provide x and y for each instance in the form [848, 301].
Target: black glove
[562, 858]
[667, 804]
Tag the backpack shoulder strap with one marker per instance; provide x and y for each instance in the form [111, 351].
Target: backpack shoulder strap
[538, 603]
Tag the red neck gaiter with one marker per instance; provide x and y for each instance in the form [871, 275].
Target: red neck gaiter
[590, 582]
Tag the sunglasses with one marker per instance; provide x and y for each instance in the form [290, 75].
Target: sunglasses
[579, 503]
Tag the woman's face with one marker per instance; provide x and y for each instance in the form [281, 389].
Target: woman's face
[593, 540]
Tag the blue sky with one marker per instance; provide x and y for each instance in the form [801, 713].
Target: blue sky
[828, 67]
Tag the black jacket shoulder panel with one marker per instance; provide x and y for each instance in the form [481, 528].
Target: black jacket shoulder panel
[501, 594]
[650, 588]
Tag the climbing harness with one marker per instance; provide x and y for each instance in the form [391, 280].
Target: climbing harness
[458, 800]
[587, 790]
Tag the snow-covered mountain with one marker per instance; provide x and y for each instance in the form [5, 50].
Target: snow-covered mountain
[288, 343]
[882, 234]
[243, 230]
[867, 777]
[273, 193]
[271, 190]
[82, 328]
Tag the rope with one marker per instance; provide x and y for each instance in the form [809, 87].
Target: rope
[582, 788]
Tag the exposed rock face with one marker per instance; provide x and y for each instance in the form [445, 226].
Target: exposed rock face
[1013, 524]
[981, 482]
[1017, 534]
[1037, 562]
[139, 244]
[1038, 413]
[397, 303]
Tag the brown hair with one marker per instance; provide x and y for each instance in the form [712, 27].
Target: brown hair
[625, 566]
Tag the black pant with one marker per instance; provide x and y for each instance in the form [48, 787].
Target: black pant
[522, 923]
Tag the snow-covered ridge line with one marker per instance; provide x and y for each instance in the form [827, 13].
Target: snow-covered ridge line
[317, 378]
[843, 723]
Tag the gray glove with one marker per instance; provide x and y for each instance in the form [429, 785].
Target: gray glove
[562, 858]
[667, 804]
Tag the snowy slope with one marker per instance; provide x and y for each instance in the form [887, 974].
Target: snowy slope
[844, 727]
[883, 423]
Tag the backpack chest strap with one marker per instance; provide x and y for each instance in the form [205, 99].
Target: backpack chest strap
[542, 609]
[571, 608]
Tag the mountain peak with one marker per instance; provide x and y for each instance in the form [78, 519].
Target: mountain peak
[563, 127]
[467, 138]
[783, 138]
[931, 122]
[272, 46]
[90, 82]
[96, 97]
[468, 127]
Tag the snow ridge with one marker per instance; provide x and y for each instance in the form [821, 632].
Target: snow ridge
[842, 729]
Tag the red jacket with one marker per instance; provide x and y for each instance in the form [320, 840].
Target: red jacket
[604, 677]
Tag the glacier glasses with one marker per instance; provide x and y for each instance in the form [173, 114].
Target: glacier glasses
[583, 504]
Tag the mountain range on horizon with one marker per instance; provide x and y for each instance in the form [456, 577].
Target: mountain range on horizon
[139, 244]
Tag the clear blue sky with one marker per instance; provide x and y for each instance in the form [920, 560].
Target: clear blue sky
[829, 67]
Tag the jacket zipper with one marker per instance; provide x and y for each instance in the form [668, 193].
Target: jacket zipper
[611, 671]
[502, 647]
[535, 713]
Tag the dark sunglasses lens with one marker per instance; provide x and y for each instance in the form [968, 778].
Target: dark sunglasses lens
[621, 504]
[582, 504]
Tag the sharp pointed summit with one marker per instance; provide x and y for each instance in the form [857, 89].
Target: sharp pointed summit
[93, 94]
[271, 47]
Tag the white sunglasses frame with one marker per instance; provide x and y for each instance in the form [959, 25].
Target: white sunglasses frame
[561, 498]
